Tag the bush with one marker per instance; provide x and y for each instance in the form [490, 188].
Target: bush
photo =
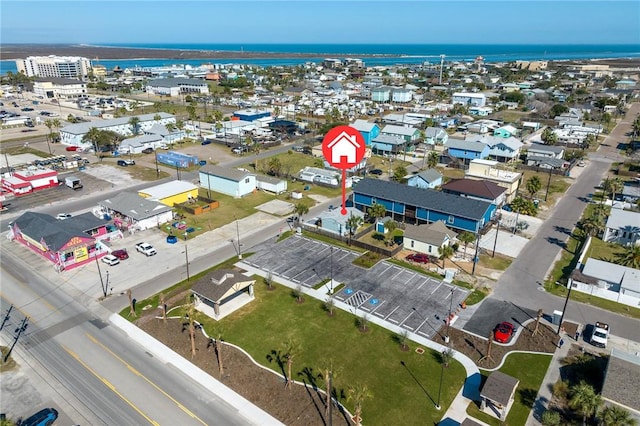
[560, 389]
[551, 418]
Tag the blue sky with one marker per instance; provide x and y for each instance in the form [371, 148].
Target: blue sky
[364, 21]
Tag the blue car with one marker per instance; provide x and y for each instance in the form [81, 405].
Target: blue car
[44, 417]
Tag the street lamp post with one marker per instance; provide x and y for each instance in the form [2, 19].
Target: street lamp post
[239, 245]
[186, 256]
[331, 266]
[438, 406]
[446, 338]
[546, 194]
[495, 242]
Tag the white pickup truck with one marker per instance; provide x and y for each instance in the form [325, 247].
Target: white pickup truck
[146, 249]
[600, 334]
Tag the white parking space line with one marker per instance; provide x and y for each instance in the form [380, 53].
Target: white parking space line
[437, 287]
[377, 307]
[405, 319]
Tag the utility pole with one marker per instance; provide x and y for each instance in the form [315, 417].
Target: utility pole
[157, 169]
[19, 331]
[239, 245]
[548, 184]
[495, 242]
[186, 255]
[564, 309]
[475, 256]
[441, 66]
[6, 317]
[449, 317]
[99, 272]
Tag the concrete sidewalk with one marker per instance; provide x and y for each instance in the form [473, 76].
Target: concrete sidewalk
[546, 387]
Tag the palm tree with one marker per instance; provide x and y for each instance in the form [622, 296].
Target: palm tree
[134, 122]
[445, 252]
[612, 415]
[217, 337]
[290, 350]
[432, 159]
[614, 186]
[390, 226]
[629, 257]
[466, 237]
[49, 125]
[358, 393]
[534, 185]
[190, 316]
[584, 399]
[93, 136]
[377, 211]
[57, 125]
[352, 224]
[328, 374]
[300, 209]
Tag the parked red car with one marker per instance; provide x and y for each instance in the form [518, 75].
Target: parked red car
[418, 258]
[72, 148]
[503, 332]
[121, 254]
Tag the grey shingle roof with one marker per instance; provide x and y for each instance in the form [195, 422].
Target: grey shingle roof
[225, 172]
[134, 206]
[399, 130]
[389, 139]
[499, 387]
[56, 233]
[621, 380]
[216, 284]
[430, 175]
[465, 145]
[426, 198]
[433, 234]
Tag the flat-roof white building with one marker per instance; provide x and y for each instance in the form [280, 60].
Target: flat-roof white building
[75, 67]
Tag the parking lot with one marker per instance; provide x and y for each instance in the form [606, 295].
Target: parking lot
[386, 290]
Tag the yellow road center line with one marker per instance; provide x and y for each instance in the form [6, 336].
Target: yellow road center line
[136, 372]
[109, 385]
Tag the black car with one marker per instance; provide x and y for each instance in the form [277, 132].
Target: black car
[147, 150]
[376, 172]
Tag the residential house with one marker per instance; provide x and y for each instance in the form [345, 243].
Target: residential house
[488, 170]
[471, 99]
[168, 136]
[428, 238]
[401, 95]
[407, 133]
[476, 189]
[546, 156]
[320, 176]
[620, 384]
[608, 280]
[132, 213]
[381, 94]
[367, 129]
[213, 292]
[416, 206]
[333, 221]
[480, 111]
[234, 182]
[171, 193]
[435, 136]
[426, 179]
[302, 92]
[388, 144]
[137, 144]
[65, 243]
[500, 149]
[505, 131]
[622, 227]
[271, 184]
[466, 150]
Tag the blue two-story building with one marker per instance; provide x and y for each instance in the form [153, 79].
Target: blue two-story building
[417, 206]
[367, 129]
[467, 150]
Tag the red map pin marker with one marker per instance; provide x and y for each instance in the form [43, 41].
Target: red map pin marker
[343, 147]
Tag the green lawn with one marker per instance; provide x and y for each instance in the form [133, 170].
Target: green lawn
[530, 381]
[402, 393]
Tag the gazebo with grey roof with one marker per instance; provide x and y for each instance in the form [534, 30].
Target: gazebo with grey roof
[223, 288]
[498, 392]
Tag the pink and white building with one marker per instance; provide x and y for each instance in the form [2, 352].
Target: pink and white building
[29, 180]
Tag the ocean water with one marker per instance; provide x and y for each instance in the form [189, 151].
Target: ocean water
[402, 53]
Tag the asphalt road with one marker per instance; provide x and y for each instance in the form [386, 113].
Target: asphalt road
[520, 283]
[95, 374]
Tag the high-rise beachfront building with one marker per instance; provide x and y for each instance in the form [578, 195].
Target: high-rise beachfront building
[74, 67]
